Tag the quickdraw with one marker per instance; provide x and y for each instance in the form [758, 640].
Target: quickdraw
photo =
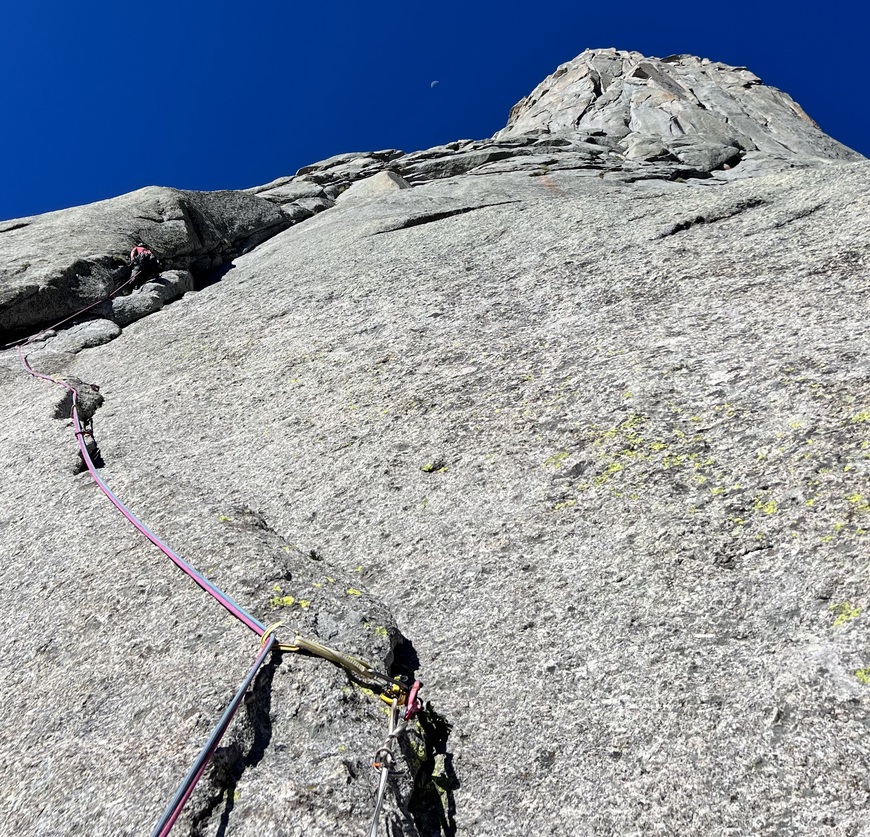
[394, 691]
[391, 688]
[384, 761]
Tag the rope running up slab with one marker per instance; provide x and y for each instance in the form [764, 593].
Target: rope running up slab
[394, 692]
[187, 786]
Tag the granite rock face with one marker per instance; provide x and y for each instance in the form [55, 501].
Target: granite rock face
[618, 113]
[703, 113]
[372, 187]
[580, 442]
[54, 264]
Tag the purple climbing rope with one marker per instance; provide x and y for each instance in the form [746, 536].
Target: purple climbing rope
[173, 810]
[239, 612]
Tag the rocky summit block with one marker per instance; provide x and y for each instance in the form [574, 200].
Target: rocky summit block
[703, 113]
[607, 111]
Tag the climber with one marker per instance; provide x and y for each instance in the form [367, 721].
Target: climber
[143, 261]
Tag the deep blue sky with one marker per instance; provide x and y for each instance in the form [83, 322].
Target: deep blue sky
[101, 97]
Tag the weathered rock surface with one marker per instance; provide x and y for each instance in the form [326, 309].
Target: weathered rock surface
[372, 187]
[150, 297]
[607, 111]
[588, 444]
[700, 112]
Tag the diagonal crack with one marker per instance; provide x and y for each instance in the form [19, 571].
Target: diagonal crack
[428, 218]
[797, 214]
[15, 227]
[721, 214]
[244, 749]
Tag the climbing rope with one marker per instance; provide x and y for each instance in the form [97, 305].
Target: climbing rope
[239, 612]
[392, 690]
[170, 815]
[27, 340]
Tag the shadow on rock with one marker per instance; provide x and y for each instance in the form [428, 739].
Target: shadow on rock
[247, 750]
[212, 277]
[405, 660]
[88, 401]
[432, 803]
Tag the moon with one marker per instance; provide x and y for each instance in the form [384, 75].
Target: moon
[434, 84]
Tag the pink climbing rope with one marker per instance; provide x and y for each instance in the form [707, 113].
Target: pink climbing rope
[239, 612]
[173, 810]
[176, 805]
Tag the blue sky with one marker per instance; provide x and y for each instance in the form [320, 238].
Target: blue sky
[99, 98]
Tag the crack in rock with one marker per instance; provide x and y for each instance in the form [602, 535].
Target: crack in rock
[432, 803]
[711, 217]
[245, 749]
[804, 212]
[419, 220]
[89, 400]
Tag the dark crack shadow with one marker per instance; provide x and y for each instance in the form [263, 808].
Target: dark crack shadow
[798, 214]
[212, 277]
[712, 217]
[94, 453]
[405, 660]
[19, 226]
[89, 400]
[245, 750]
[430, 217]
[432, 804]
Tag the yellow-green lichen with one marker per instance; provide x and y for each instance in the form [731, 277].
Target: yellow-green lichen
[556, 460]
[765, 506]
[860, 503]
[613, 468]
[435, 467]
[845, 612]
